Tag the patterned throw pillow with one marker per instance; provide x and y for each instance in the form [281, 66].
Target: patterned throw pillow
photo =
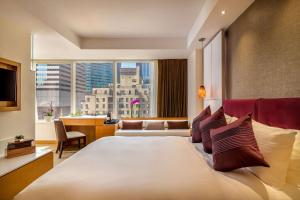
[216, 120]
[196, 134]
[234, 146]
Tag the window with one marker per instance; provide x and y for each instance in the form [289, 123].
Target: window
[99, 88]
[94, 79]
[134, 77]
[53, 85]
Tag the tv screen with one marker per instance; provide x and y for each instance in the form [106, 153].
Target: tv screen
[8, 85]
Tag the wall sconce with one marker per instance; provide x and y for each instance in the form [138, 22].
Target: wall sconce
[201, 92]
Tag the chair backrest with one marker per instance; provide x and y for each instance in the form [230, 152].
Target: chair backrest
[60, 130]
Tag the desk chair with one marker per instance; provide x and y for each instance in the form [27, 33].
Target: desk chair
[64, 138]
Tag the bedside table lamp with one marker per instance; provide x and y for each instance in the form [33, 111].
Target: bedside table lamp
[201, 92]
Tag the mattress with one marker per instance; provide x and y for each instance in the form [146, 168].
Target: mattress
[145, 168]
[166, 132]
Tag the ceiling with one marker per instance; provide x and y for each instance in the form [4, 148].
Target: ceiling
[124, 29]
[123, 18]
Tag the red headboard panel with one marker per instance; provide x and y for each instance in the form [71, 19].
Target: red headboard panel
[240, 107]
[283, 112]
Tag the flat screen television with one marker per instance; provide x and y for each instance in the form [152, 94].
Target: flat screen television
[8, 85]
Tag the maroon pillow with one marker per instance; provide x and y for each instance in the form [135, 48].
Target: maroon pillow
[135, 125]
[216, 120]
[234, 146]
[178, 125]
[196, 134]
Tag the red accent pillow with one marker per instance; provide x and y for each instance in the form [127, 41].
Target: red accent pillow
[234, 146]
[196, 134]
[178, 124]
[132, 125]
[216, 120]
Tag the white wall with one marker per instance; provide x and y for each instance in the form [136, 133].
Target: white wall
[213, 72]
[45, 131]
[195, 79]
[15, 43]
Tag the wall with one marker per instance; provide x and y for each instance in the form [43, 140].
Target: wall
[213, 72]
[15, 43]
[263, 51]
[195, 79]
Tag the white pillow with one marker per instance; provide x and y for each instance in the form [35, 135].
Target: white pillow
[293, 174]
[228, 118]
[276, 145]
[146, 122]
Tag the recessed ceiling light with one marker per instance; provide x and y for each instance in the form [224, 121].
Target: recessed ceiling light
[223, 12]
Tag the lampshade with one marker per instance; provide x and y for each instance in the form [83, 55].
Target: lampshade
[201, 91]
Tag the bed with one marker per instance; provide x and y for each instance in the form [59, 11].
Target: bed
[150, 168]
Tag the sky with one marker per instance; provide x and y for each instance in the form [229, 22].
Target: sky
[128, 64]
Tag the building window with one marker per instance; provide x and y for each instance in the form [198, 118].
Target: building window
[103, 99]
[53, 84]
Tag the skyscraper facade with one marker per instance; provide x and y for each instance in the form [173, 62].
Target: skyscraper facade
[53, 84]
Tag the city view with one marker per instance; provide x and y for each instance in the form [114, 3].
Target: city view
[100, 88]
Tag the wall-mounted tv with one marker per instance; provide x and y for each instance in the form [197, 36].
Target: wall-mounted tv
[8, 85]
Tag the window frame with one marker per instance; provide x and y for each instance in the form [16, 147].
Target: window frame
[73, 63]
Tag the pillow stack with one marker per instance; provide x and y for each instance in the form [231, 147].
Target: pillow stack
[270, 153]
[153, 124]
[233, 146]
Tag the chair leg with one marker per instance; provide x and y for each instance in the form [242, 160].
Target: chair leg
[61, 149]
[57, 148]
[79, 143]
[84, 141]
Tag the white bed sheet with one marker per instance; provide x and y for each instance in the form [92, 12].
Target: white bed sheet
[147, 168]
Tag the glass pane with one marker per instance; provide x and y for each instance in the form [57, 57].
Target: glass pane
[94, 88]
[53, 86]
[133, 91]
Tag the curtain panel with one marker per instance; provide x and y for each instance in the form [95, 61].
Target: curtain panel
[172, 88]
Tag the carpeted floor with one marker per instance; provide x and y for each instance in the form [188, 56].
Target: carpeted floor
[68, 152]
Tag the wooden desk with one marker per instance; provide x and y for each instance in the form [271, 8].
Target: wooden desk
[92, 126]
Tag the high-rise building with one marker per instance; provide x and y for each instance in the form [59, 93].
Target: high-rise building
[53, 84]
[95, 75]
[130, 86]
[144, 71]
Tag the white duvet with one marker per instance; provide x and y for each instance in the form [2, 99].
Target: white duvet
[135, 168]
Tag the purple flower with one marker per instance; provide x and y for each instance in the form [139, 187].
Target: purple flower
[135, 101]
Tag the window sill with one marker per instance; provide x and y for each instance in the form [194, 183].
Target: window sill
[42, 122]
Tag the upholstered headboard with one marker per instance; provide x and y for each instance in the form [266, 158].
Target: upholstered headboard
[283, 112]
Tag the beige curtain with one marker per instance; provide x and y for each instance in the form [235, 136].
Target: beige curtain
[172, 88]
